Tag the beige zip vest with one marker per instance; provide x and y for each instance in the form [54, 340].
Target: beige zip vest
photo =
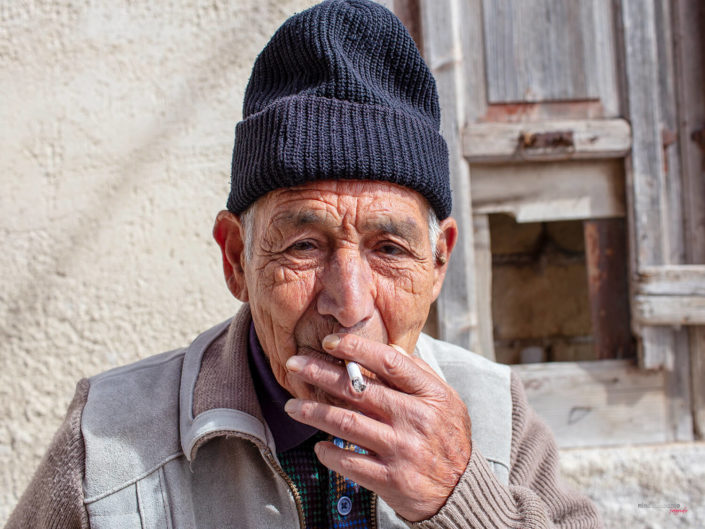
[140, 433]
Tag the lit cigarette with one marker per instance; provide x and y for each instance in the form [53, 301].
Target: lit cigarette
[358, 383]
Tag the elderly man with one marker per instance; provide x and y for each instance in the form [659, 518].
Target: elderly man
[337, 238]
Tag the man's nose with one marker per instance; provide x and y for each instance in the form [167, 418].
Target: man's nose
[347, 289]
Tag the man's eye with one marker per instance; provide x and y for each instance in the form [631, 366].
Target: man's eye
[302, 246]
[390, 249]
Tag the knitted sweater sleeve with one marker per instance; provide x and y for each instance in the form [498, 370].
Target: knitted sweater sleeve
[535, 498]
[54, 497]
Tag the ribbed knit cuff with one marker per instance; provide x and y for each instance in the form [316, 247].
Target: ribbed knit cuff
[478, 501]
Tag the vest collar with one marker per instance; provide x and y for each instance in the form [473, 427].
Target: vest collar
[217, 421]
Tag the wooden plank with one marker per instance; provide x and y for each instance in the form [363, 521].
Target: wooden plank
[472, 43]
[656, 348]
[671, 280]
[606, 58]
[483, 285]
[457, 313]
[540, 50]
[646, 178]
[674, 248]
[548, 191]
[689, 40]
[669, 310]
[697, 379]
[609, 402]
[606, 263]
[645, 169]
[504, 142]
[678, 393]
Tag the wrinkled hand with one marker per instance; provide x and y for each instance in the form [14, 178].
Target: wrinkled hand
[415, 426]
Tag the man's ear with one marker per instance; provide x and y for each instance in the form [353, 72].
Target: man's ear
[228, 233]
[446, 242]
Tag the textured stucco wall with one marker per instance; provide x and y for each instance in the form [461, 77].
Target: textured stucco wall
[116, 129]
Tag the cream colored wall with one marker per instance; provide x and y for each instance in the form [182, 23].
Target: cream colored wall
[116, 131]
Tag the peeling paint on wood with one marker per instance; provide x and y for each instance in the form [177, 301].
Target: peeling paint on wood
[547, 140]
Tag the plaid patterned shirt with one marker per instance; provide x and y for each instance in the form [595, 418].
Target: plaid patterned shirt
[328, 499]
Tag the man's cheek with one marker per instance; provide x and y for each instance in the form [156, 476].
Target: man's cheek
[294, 291]
[409, 296]
[404, 313]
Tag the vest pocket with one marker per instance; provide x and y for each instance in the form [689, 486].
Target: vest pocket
[116, 510]
[141, 505]
[153, 501]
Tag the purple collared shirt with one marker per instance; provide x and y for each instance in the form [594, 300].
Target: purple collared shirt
[287, 432]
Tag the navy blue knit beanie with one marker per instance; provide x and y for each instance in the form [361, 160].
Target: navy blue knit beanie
[340, 92]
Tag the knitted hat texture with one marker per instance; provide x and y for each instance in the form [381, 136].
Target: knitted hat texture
[340, 92]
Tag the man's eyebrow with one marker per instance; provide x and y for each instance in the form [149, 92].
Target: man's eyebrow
[300, 218]
[406, 229]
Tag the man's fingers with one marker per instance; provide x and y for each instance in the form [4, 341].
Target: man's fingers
[376, 400]
[365, 470]
[346, 424]
[391, 364]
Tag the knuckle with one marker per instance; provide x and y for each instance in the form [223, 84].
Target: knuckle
[389, 438]
[347, 464]
[394, 361]
[312, 370]
[307, 410]
[350, 342]
[347, 423]
[446, 399]
[385, 474]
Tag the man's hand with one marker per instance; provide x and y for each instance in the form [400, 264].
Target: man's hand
[415, 426]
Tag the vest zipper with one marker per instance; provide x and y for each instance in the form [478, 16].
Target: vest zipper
[292, 486]
[373, 510]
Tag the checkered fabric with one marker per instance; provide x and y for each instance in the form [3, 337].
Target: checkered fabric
[328, 499]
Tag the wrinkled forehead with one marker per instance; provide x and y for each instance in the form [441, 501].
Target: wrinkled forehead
[360, 204]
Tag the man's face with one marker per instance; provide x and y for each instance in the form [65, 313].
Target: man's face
[339, 256]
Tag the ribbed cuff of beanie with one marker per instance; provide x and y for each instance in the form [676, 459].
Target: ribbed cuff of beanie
[479, 501]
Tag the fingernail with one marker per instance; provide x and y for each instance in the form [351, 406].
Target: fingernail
[295, 363]
[291, 406]
[330, 342]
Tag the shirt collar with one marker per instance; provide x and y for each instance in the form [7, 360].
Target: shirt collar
[287, 432]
